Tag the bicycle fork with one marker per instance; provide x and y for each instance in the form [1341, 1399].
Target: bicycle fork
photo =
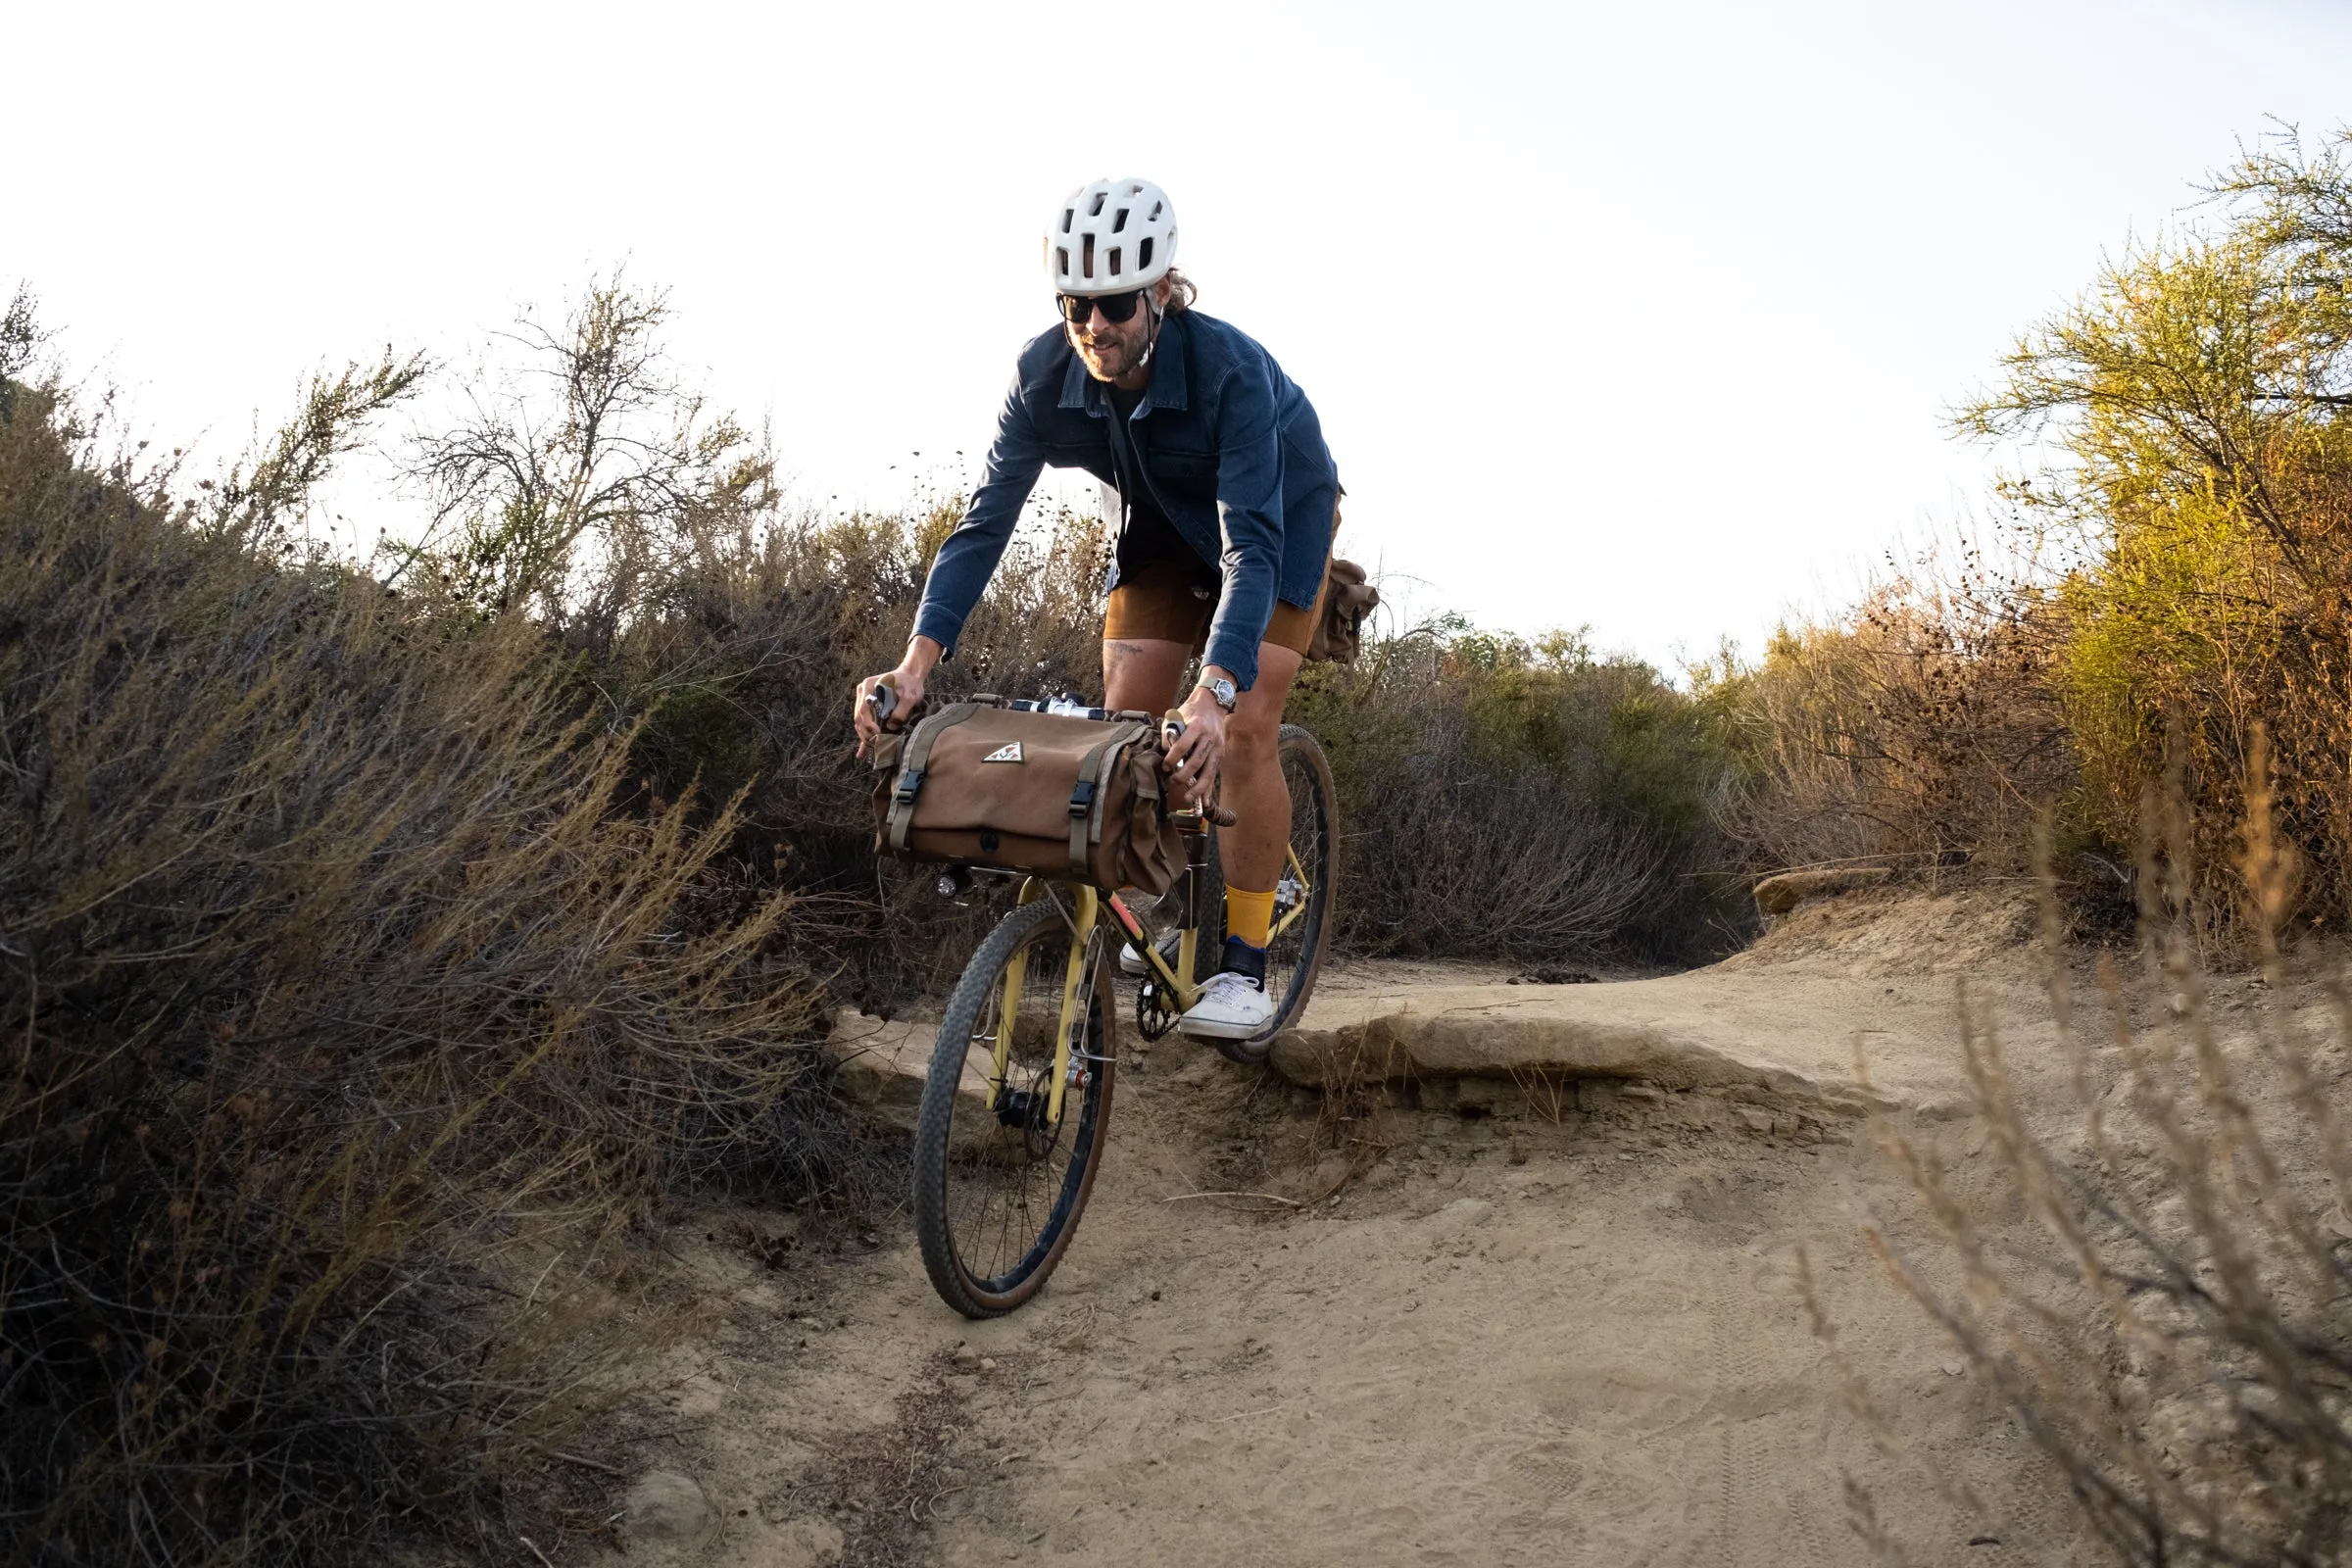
[1076, 995]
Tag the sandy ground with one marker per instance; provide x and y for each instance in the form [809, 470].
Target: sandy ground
[1525, 1330]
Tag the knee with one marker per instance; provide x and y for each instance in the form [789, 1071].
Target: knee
[1250, 738]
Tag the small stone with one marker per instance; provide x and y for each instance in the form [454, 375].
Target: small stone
[965, 1354]
[1954, 1367]
[663, 1506]
[987, 1363]
[808, 1543]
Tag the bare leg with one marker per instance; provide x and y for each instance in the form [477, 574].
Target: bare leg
[1142, 676]
[1254, 791]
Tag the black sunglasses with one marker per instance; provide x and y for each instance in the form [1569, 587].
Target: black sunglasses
[1114, 306]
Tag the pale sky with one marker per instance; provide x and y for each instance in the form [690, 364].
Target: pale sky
[1642, 316]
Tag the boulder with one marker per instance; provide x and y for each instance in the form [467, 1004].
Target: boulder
[880, 1068]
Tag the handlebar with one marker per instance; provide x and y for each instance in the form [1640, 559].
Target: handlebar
[884, 701]
[1171, 729]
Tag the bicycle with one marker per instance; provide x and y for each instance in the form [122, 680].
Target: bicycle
[1004, 1159]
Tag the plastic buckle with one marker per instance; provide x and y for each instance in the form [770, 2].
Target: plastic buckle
[909, 782]
[1082, 799]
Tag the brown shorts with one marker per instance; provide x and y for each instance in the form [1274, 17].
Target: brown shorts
[1169, 601]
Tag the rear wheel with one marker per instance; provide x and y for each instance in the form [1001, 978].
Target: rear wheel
[998, 1186]
[1301, 898]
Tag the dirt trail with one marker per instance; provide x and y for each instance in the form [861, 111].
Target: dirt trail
[1533, 1331]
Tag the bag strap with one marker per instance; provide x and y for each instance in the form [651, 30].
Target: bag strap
[914, 761]
[1086, 795]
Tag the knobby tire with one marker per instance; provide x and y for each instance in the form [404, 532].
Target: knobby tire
[1086, 1115]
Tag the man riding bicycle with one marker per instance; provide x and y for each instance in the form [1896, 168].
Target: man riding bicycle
[1228, 501]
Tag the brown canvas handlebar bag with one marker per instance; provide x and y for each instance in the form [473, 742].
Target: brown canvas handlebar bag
[1052, 794]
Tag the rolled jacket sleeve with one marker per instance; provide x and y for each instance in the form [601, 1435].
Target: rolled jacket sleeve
[1250, 513]
[968, 556]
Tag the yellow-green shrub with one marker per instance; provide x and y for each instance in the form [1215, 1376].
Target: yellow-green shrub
[2205, 513]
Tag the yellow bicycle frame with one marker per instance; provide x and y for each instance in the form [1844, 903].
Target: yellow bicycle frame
[1081, 922]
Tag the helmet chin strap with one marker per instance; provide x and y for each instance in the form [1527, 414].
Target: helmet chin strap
[1152, 339]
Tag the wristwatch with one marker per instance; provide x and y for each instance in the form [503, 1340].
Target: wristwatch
[1220, 691]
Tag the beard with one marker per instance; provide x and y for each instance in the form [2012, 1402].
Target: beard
[1107, 359]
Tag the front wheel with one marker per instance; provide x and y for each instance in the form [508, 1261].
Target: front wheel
[999, 1181]
[1301, 898]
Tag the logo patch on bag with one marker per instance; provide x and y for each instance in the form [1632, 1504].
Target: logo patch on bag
[1009, 751]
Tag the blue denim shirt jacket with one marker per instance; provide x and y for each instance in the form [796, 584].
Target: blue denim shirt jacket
[1228, 449]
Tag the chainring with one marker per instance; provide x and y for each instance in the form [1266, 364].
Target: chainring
[1153, 1016]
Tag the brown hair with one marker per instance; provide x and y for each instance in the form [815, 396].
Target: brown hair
[1181, 293]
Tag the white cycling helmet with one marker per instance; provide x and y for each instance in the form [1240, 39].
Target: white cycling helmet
[1111, 236]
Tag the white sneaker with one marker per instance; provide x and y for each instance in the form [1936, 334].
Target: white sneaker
[1232, 1007]
[1132, 962]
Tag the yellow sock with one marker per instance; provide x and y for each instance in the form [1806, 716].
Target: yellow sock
[1249, 916]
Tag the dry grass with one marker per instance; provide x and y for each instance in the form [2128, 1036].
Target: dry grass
[2172, 1324]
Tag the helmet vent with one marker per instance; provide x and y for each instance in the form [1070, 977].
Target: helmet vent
[1086, 262]
[1062, 260]
[1119, 224]
[1143, 252]
[1115, 261]
[1101, 197]
[1069, 215]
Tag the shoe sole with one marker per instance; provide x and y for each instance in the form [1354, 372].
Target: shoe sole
[1221, 1031]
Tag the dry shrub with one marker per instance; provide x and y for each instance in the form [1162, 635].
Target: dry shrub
[1921, 732]
[1494, 796]
[2178, 1335]
[346, 1026]
[744, 664]
[1499, 797]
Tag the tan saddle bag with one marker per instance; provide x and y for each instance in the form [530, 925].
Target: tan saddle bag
[1347, 597]
[988, 783]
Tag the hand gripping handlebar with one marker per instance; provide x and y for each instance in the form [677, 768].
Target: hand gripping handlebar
[883, 700]
[1171, 728]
